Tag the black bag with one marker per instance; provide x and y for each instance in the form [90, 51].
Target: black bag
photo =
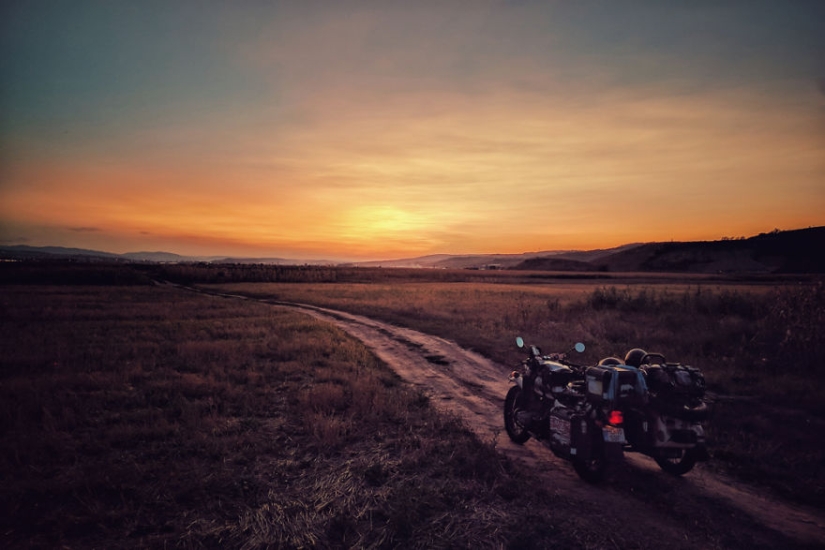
[676, 380]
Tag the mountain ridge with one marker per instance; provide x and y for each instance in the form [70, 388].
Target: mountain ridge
[790, 251]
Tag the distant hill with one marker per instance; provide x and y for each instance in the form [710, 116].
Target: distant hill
[594, 255]
[421, 261]
[582, 260]
[487, 261]
[22, 252]
[35, 252]
[555, 264]
[153, 257]
[266, 261]
[796, 251]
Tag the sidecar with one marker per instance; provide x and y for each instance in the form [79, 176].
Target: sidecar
[669, 427]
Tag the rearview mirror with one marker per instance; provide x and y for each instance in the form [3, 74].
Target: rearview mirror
[579, 347]
[520, 341]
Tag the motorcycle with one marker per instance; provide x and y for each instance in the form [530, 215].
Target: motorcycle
[551, 402]
[591, 415]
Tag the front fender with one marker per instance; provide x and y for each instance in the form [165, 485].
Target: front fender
[517, 379]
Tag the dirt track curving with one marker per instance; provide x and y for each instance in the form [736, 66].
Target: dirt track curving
[702, 509]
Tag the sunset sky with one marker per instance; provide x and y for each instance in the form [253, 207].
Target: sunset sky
[378, 130]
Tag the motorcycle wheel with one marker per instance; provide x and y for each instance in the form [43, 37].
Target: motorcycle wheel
[591, 470]
[678, 466]
[513, 404]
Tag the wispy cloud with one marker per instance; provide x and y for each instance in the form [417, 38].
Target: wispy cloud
[374, 130]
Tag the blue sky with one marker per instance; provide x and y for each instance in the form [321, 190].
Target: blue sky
[387, 129]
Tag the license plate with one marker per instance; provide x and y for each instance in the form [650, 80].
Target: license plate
[613, 435]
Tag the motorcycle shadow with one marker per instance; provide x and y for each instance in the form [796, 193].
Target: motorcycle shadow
[689, 498]
[640, 477]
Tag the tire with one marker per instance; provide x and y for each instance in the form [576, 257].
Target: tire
[678, 466]
[591, 470]
[512, 404]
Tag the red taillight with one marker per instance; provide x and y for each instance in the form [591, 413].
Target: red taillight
[615, 418]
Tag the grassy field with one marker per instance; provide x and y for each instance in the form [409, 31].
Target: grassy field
[730, 330]
[759, 345]
[147, 417]
[144, 416]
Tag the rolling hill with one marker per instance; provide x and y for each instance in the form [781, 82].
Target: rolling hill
[794, 251]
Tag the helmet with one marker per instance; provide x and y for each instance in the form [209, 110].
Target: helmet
[634, 357]
[610, 361]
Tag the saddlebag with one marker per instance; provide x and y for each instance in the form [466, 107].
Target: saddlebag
[675, 381]
[677, 390]
[614, 384]
[569, 434]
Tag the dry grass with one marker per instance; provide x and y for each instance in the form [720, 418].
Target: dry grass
[724, 328]
[149, 417]
[759, 342]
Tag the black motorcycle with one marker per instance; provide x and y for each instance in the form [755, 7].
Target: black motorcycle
[591, 415]
[550, 401]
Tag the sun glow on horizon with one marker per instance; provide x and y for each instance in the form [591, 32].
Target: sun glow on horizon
[349, 137]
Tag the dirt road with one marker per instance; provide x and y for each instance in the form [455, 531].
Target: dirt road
[702, 509]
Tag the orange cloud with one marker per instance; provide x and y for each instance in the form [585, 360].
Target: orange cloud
[427, 172]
